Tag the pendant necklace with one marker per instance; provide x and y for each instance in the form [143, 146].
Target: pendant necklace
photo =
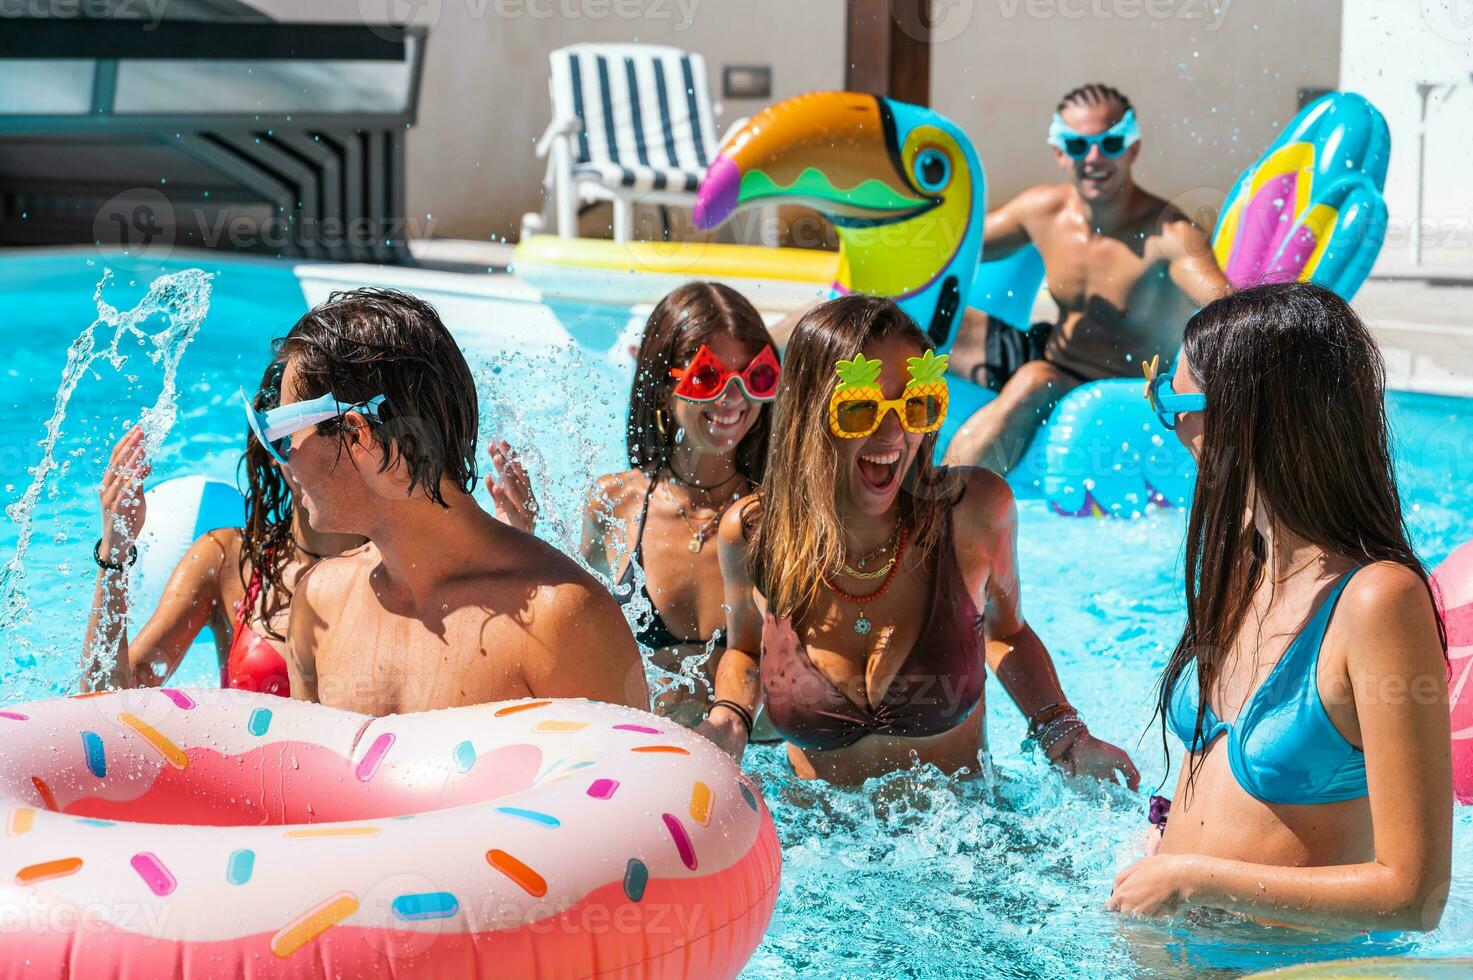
[862, 625]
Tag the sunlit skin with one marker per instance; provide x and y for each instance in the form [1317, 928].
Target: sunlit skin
[985, 526]
[204, 591]
[1126, 268]
[686, 588]
[446, 606]
[1378, 862]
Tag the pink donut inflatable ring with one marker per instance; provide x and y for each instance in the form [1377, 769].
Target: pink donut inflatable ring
[1452, 584]
[209, 833]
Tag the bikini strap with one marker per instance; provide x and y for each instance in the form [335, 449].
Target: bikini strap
[252, 593]
[644, 513]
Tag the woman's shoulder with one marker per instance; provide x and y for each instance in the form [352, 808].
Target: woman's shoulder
[740, 520]
[1384, 605]
[614, 488]
[1384, 588]
[983, 498]
[220, 545]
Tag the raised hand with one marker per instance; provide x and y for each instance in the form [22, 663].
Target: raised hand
[510, 488]
[121, 496]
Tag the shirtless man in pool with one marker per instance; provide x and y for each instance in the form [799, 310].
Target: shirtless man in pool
[445, 605]
[1126, 268]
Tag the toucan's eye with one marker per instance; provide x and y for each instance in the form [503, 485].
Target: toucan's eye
[932, 169]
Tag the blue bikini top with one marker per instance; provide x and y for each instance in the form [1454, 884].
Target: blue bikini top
[1282, 748]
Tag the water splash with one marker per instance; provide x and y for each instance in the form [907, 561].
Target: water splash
[182, 300]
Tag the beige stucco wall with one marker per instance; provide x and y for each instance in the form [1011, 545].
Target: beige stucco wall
[1214, 79]
[484, 102]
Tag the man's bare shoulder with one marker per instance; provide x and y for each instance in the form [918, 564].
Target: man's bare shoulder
[1042, 201]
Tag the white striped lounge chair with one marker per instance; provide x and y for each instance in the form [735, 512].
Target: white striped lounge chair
[630, 123]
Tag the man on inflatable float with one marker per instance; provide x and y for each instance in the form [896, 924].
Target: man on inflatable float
[1126, 268]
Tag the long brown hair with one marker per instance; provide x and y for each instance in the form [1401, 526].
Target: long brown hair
[266, 540]
[795, 532]
[681, 322]
[1296, 421]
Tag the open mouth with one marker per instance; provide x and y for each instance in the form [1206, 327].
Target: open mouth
[1096, 175]
[880, 470]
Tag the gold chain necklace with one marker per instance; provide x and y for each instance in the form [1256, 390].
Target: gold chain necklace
[857, 570]
[700, 532]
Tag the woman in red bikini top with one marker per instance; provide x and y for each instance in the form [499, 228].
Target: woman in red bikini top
[853, 578]
[235, 581]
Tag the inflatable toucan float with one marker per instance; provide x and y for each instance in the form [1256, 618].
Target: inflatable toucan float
[906, 193]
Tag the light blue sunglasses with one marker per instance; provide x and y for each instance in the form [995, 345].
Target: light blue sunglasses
[1167, 404]
[273, 428]
[1112, 142]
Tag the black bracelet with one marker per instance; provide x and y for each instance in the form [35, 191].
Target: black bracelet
[742, 713]
[110, 565]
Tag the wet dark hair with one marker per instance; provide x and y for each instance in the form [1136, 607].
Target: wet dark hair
[367, 342]
[684, 319]
[1296, 415]
[1093, 94]
[266, 540]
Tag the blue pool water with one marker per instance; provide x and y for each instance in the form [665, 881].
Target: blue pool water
[1004, 875]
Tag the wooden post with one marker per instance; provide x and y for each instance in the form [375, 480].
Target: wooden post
[888, 49]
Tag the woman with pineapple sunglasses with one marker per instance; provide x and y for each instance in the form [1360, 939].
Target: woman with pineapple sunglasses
[868, 590]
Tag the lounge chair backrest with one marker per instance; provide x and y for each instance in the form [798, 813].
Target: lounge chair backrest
[640, 104]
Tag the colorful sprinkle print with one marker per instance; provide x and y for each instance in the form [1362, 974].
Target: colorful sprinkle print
[682, 840]
[603, 789]
[21, 819]
[701, 799]
[636, 877]
[172, 753]
[465, 756]
[334, 832]
[313, 923]
[159, 879]
[369, 764]
[241, 866]
[47, 870]
[672, 749]
[515, 708]
[96, 757]
[425, 905]
[94, 822]
[47, 799]
[541, 819]
[178, 697]
[560, 726]
[14, 716]
[260, 722]
[747, 795]
[643, 730]
[528, 880]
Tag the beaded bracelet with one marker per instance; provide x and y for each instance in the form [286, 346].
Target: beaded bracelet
[1053, 737]
[1047, 714]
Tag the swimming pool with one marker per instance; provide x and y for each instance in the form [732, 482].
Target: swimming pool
[922, 876]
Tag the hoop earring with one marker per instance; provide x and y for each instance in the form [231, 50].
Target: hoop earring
[660, 421]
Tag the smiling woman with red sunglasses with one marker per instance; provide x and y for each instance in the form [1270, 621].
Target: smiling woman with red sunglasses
[697, 439]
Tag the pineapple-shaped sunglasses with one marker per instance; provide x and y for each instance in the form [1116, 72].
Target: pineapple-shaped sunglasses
[859, 405]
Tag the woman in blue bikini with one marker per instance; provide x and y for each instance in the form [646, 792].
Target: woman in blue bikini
[1309, 685]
